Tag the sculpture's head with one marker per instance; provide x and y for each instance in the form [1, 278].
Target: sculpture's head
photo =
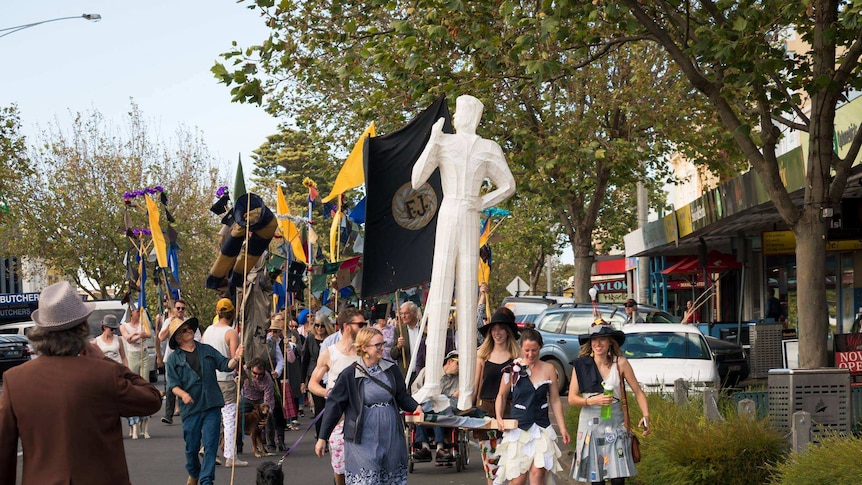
[468, 112]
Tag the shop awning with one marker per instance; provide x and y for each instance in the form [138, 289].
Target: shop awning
[717, 262]
[675, 268]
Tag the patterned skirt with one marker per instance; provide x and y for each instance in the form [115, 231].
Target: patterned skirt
[604, 446]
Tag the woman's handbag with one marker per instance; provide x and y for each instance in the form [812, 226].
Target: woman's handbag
[636, 444]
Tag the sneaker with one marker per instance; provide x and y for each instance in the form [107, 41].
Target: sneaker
[235, 462]
[270, 448]
[218, 461]
[167, 421]
[301, 413]
[280, 447]
[422, 454]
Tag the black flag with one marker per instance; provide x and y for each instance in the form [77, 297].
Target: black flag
[400, 222]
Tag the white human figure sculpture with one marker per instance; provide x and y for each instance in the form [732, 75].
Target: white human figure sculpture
[465, 160]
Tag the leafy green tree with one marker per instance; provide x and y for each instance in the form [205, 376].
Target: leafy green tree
[70, 212]
[577, 136]
[736, 55]
[14, 166]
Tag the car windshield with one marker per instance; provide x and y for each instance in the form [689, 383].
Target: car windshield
[665, 345]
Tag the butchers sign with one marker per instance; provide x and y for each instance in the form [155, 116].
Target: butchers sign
[848, 352]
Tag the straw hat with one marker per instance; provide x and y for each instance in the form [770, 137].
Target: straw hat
[279, 325]
[60, 308]
[175, 325]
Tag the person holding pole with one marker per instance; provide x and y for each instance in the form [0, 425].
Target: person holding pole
[407, 338]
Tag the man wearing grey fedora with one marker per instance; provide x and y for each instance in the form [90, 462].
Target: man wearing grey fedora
[67, 403]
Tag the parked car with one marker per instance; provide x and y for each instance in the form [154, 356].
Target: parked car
[560, 325]
[732, 363]
[527, 308]
[20, 328]
[662, 353]
[14, 350]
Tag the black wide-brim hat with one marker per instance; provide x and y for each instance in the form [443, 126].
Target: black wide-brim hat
[602, 331]
[173, 327]
[503, 317]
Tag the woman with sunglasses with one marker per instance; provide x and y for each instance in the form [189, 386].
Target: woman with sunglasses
[321, 329]
[600, 363]
[369, 395]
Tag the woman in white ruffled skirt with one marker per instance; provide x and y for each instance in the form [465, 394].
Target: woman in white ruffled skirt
[530, 451]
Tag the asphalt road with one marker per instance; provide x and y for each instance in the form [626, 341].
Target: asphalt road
[160, 461]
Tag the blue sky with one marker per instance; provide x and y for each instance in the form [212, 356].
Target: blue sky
[158, 52]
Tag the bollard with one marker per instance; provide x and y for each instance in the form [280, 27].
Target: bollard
[801, 431]
[746, 408]
[680, 391]
[710, 404]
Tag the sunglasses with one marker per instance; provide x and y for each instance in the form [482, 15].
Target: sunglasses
[378, 346]
[319, 325]
[359, 324]
[178, 308]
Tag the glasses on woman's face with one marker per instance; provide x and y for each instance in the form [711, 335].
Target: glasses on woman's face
[378, 346]
[319, 325]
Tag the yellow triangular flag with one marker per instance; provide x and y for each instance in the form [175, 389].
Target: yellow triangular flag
[288, 228]
[352, 174]
[158, 237]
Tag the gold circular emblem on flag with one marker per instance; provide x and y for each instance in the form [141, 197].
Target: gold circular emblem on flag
[414, 209]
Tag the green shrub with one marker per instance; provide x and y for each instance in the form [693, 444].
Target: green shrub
[685, 448]
[838, 461]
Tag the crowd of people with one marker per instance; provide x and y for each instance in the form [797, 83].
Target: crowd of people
[352, 369]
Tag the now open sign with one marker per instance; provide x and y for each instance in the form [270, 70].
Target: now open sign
[848, 352]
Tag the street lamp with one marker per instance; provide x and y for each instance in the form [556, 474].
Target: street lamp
[93, 17]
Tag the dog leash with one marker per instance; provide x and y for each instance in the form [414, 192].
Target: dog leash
[296, 443]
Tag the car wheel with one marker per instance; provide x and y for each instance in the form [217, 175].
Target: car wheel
[561, 375]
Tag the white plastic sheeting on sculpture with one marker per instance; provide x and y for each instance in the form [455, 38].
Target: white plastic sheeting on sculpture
[465, 160]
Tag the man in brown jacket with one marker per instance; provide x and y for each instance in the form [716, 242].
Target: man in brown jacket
[66, 405]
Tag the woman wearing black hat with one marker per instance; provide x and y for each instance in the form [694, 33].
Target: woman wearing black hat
[601, 363]
[498, 350]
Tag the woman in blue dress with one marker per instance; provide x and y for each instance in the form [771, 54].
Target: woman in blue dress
[603, 445]
[369, 394]
[530, 450]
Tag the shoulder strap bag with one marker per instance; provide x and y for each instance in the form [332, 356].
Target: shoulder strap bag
[636, 445]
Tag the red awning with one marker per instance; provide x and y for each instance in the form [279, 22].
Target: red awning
[675, 268]
[718, 262]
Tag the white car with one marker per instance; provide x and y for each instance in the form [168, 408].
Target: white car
[662, 353]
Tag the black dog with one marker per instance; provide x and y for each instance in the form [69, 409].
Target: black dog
[269, 473]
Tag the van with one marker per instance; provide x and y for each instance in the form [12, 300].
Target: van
[20, 328]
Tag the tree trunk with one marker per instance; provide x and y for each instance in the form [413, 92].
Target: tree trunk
[583, 266]
[813, 323]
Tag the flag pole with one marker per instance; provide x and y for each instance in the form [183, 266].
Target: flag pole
[242, 332]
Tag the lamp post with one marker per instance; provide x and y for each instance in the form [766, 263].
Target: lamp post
[93, 17]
